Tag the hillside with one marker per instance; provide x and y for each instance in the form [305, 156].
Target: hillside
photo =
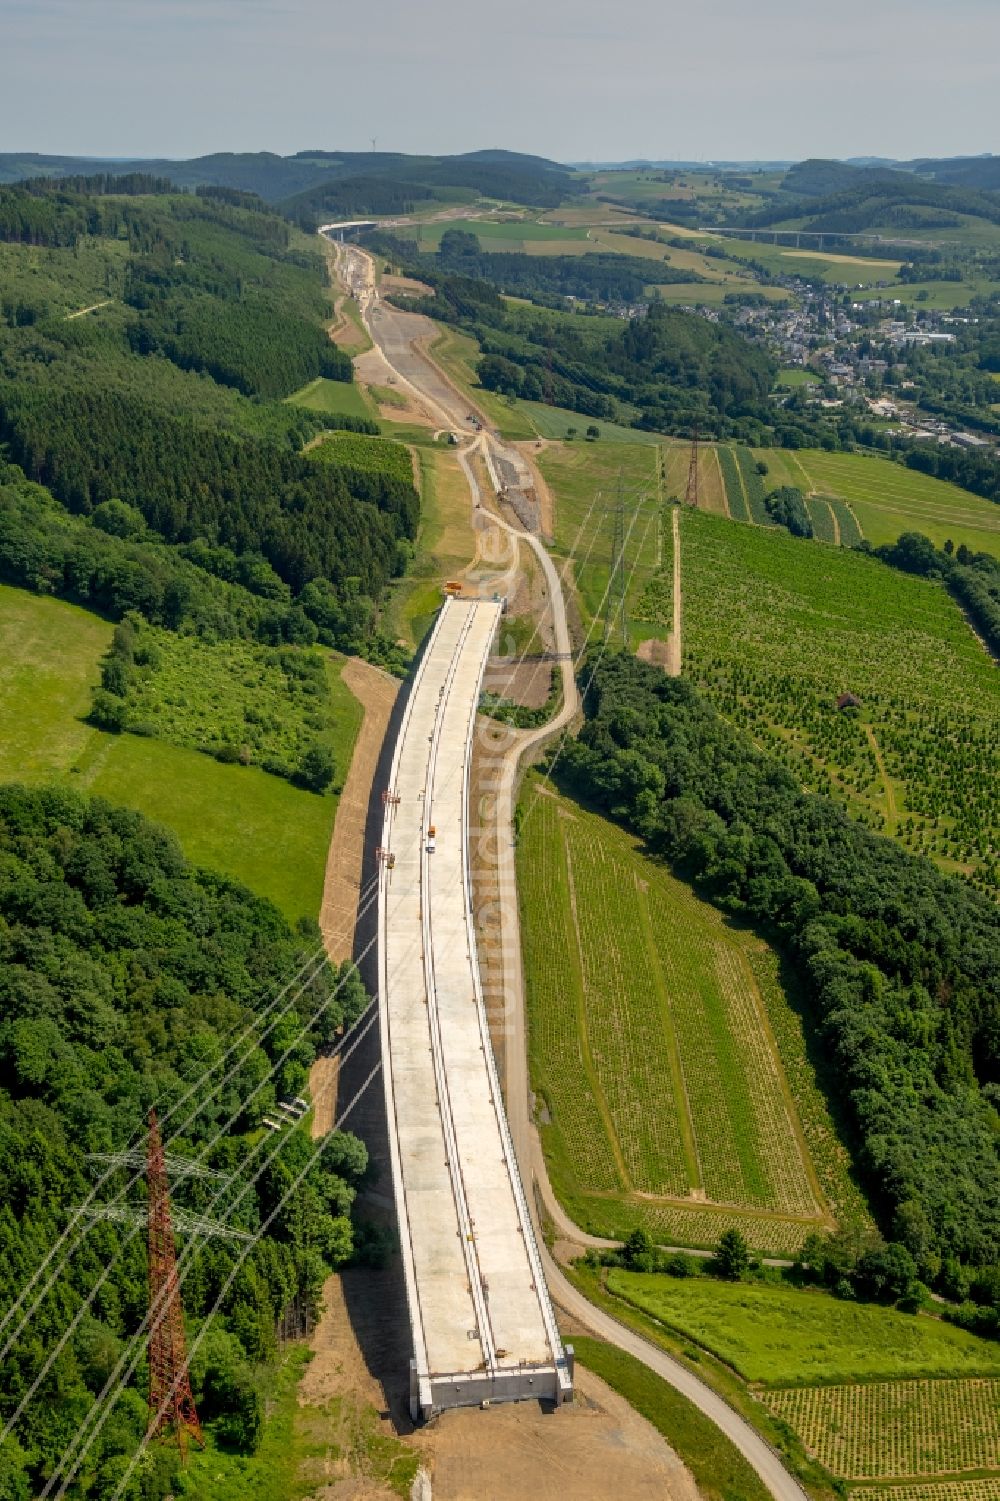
[145, 342]
[316, 184]
[128, 974]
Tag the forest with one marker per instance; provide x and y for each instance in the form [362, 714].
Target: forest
[127, 975]
[600, 276]
[845, 199]
[169, 477]
[901, 963]
[307, 520]
[165, 406]
[110, 562]
[386, 183]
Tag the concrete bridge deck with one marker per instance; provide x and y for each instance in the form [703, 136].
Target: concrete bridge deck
[483, 1326]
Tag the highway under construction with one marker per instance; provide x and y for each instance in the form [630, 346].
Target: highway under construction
[482, 1323]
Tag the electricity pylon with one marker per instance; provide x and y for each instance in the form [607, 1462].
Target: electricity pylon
[171, 1403]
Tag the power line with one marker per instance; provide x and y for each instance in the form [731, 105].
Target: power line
[691, 493]
[314, 961]
[67, 1334]
[127, 1363]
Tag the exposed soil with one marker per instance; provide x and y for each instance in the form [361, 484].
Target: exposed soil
[372, 369]
[406, 286]
[376, 691]
[340, 1371]
[674, 644]
[655, 651]
[527, 683]
[596, 1447]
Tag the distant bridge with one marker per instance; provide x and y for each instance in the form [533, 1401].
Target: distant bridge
[346, 226]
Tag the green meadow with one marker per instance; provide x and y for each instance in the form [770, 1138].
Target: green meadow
[254, 827]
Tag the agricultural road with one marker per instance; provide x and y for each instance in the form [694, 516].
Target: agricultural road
[402, 339]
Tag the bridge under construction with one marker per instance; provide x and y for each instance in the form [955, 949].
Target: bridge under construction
[482, 1323]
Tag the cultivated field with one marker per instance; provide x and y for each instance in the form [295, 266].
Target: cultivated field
[945, 1490]
[776, 628]
[873, 1394]
[670, 1063]
[897, 1429]
[238, 820]
[369, 454]
[887, 498]
[779, 1335]
[585, 479]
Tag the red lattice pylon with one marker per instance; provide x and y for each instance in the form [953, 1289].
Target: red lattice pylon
[171, 1405]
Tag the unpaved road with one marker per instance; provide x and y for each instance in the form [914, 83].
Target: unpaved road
[396, 337]
[376, 691]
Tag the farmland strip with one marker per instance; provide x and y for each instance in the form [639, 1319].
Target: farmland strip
[735, 493]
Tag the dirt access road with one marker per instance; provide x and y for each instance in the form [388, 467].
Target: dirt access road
[399, 339]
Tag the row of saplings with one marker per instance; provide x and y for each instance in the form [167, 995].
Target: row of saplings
[848, 1264]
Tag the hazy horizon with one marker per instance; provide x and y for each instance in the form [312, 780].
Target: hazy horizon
[181, 78]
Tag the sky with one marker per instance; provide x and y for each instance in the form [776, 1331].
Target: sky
[570, 79]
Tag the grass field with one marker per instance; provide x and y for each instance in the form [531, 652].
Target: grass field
[496, 234]
[797, 375]
[49, 655]
[899, 1429]
[239, 820]
[776, 628]
[553, 422]
[669, 1060]
[712, 489]
[824, 265]
[713, 293]
[785, 1336]
[720, 1471]
[338, 398]
[445, 545]
[940, 296]
[888, 498]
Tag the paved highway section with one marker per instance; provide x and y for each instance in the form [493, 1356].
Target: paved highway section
[483, 1326]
